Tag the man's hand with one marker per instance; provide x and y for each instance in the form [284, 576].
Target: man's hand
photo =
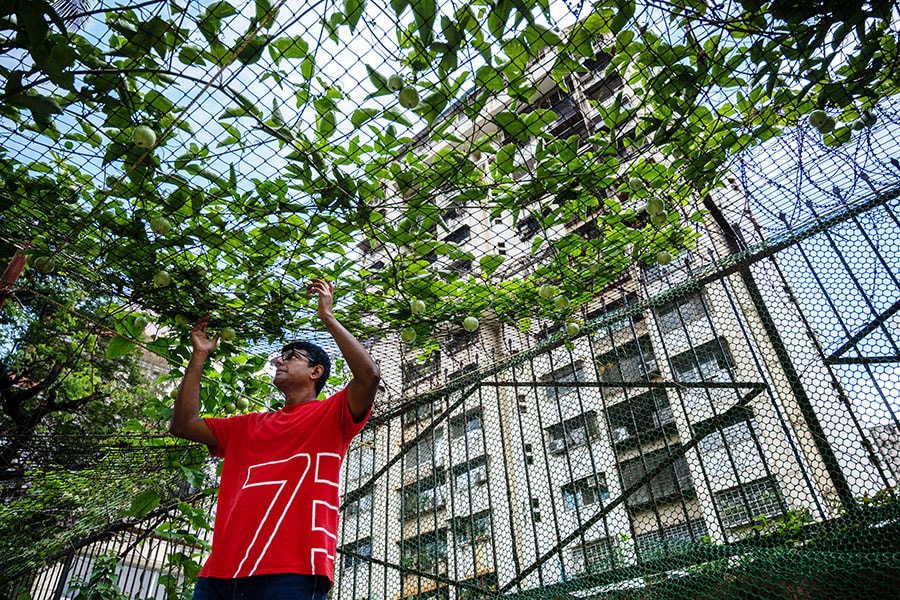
[366, 374]
[199, 340]
[325, 291]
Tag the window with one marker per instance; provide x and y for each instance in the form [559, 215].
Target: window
[459, 236]
[425, 495]
[426, 451]
[674, 480]
[471, 474]
[464, 424]
[360, 460]
[417, 413]
[415, 370]
[670, 540]
[573, 432]
[361, 506]
[487, 581]
[472, 528]
[362, 547]
[589, 491]
[612, 307]
[640, 416]
[737, 506]
[596, 556]
[527, 228]
[708, 362]
[460, 341]
[731, 435]
[426, 552]
[633, 361]
[567, 374]
[671, 316]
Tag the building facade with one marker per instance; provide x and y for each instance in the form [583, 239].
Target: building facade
[521, 458]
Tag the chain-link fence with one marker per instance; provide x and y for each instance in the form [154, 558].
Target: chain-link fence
[629, 269]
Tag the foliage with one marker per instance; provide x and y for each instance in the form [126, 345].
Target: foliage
[297, 173]
[103, 582]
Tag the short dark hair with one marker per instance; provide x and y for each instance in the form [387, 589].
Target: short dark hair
[317, 356]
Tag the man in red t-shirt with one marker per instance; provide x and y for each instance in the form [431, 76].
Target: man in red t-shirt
[276, 525]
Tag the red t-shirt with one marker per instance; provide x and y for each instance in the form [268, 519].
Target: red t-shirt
[278, 496]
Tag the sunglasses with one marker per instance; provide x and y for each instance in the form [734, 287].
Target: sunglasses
[290, 354]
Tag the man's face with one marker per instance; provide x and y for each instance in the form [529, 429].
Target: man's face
[292, 367]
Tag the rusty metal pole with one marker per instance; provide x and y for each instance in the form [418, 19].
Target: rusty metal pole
[11, 275]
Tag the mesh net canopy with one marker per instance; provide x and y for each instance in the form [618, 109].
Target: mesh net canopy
[630, 271]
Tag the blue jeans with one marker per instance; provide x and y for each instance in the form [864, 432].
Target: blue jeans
[263, 587]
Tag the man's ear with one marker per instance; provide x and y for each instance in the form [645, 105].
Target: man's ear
[317, 371]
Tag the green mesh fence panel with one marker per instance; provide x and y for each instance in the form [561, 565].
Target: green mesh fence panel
[630, 271]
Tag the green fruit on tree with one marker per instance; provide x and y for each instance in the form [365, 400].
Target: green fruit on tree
[827, 126]
[141, 322]
[162, 279]
[663, 257]
[655, 206]
[227, 334]
[417, 307]
[160, 225]
[858, 125]
[572, 328]
[409, 97]
[817, 118]
[659, 219]
[868, 118]
[181, 320]
[408, 335]
[636, 183]
[395, 83]
[547, 291]
[230, 407]
[243, 403]
[561, 303]
[470, 324]
[143, 136]
[593, 268]
[44, 264]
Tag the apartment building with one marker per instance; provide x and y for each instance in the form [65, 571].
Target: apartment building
[522, 458]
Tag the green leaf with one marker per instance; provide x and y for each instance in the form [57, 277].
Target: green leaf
[425, 13]
[399, 6]
[234, 136]
[307, 67]
[353, 10]
[144, 503]
[119, 346]
[361, 115]
[379, 82]
[489, 78]
[505, 159]
[288, 47]
[511, 123]
[623, 15]
[490, 263]
[40, 105]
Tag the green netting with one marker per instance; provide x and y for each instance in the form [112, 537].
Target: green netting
[630, 271]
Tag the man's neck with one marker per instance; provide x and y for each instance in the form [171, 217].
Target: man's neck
[299, 397]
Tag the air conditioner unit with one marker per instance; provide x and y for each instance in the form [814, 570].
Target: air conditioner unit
[620, 434]
[480, 478]
[557, 445]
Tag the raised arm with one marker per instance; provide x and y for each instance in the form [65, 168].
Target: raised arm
[186, 422]
[366, 374]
